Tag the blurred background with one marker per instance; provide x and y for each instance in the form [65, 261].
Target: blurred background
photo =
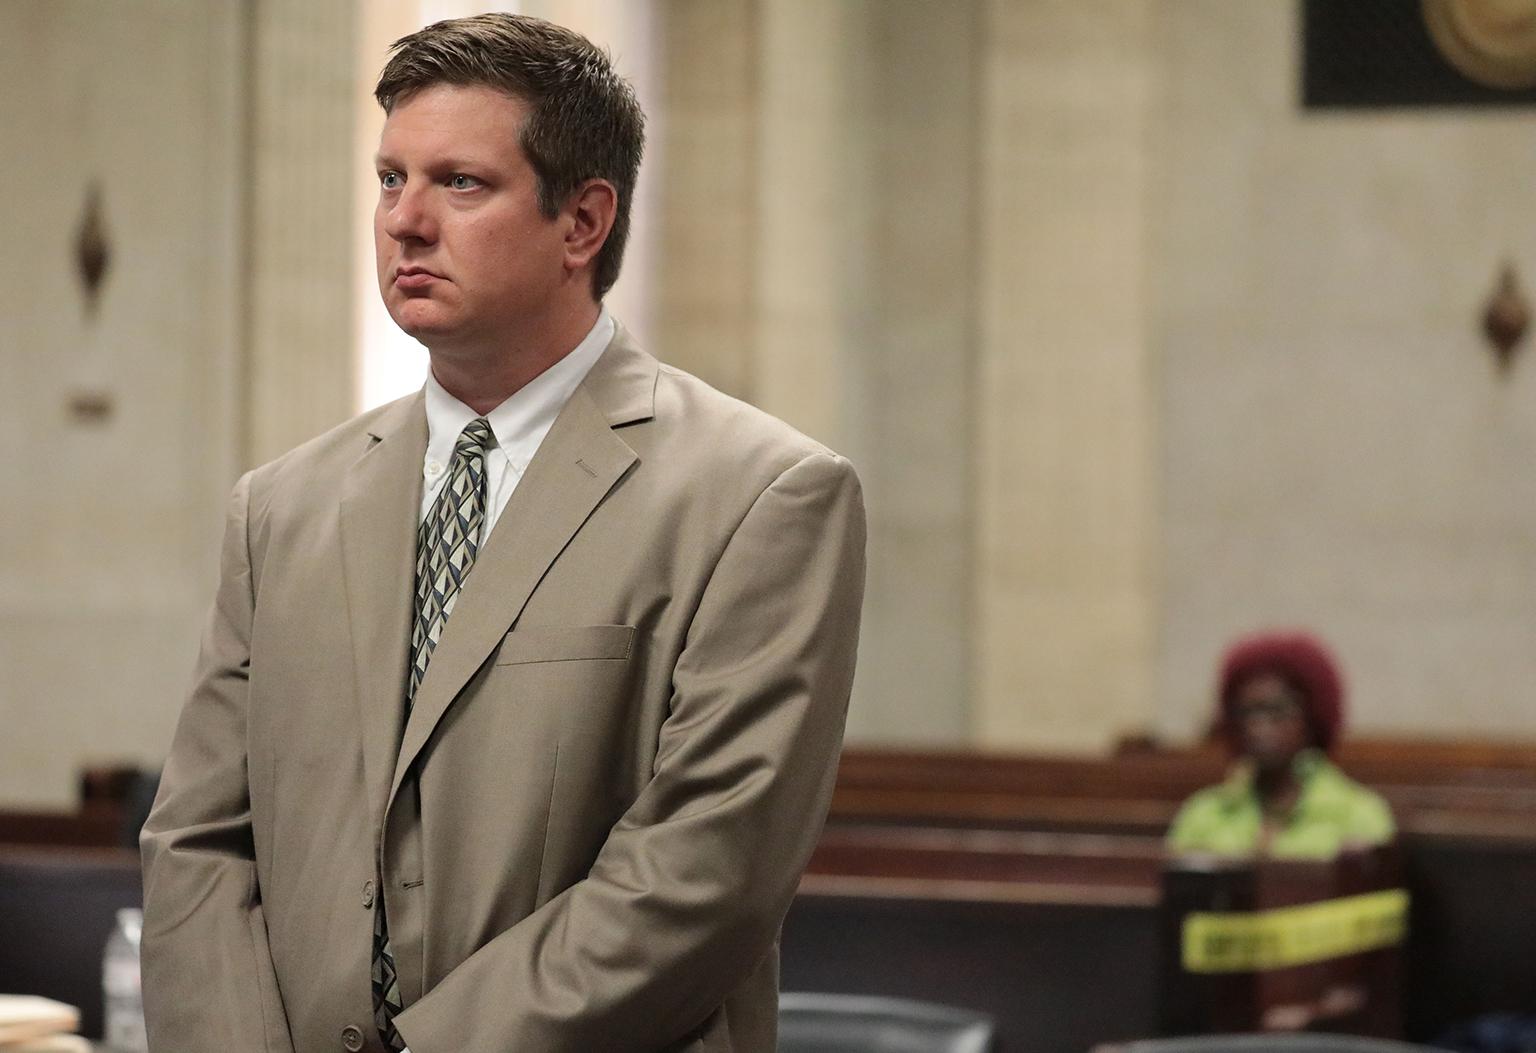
[1143, 327]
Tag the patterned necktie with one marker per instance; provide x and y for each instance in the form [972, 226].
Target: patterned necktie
[446, 545]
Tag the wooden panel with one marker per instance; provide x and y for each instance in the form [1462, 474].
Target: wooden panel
[1359, 993]
[100, 828]
[1430, 754]
[1139, 792]
[894, 862]
[1056, 977]
[1472, 929]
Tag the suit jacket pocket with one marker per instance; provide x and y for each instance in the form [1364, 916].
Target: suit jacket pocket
[559, 643]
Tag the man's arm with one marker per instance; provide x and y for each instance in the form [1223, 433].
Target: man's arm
[688, 892]
[208, 979]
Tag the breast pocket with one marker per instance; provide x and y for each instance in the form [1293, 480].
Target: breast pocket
[571, 681]
[552, 643]
[567, 691]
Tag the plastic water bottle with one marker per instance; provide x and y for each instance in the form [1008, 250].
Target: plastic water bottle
[122, 987]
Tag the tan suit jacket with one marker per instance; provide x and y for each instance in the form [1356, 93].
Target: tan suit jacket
[589, 828]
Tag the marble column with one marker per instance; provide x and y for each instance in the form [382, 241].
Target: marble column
[815, 259]
[299, 346]
[1065, 425]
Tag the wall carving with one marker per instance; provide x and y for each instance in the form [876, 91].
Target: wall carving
[93, 249]
[1507, 316]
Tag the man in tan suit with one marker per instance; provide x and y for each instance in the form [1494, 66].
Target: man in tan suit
[518, 710]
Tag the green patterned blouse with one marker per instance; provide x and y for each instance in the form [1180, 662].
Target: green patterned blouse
[1332, 813]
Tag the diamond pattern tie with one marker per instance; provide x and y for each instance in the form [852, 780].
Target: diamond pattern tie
[446, 545]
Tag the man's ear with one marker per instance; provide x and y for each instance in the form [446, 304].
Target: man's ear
[591, 208]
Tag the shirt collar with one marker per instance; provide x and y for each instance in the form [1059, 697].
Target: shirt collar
[521, 422]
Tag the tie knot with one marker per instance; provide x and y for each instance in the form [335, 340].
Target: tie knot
[473, 439]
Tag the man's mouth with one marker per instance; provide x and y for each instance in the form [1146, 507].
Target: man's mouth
[415, 278]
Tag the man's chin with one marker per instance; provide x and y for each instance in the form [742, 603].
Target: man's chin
[446, 341]
[423, 322]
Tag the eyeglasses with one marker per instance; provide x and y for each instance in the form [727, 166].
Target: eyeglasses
[1272, 709]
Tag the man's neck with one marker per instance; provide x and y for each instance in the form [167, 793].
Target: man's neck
[483, 378]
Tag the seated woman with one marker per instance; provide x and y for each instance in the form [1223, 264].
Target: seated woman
[1281, 708]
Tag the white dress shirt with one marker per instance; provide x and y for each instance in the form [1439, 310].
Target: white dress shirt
[519, 424]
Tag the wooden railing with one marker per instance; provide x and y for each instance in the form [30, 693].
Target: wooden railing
[1028, 885]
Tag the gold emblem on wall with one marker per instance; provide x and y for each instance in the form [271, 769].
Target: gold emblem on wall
[1490, 42]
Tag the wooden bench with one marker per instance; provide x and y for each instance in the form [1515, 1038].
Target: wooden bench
[1138, 794]
[1468, 843]
[1054, 935]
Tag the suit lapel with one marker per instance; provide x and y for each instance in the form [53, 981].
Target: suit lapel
[380, 509]
[578, 463]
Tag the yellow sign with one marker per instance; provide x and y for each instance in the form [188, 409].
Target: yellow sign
[1285, 936]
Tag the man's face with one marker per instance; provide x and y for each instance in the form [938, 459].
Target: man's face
[466, 260]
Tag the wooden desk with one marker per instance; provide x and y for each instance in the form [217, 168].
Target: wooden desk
[1281, 945]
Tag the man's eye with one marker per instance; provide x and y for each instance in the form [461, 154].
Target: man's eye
[390, 180]
[463, 182]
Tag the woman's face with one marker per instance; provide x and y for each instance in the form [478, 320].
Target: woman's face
[1271, 721]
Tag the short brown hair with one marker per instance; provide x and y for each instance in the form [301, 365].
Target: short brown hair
[584, 119]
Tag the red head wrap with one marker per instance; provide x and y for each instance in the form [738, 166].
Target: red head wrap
[1302, 661]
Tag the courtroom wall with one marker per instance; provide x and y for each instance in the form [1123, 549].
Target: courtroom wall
[119, 411]
[214, 141]
[1338, 447]
[1132, 353]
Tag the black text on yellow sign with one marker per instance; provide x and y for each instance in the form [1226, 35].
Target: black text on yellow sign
[1286, 936]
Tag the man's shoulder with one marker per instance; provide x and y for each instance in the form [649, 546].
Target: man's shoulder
[725, 445]
[696, 402]
[693, 426]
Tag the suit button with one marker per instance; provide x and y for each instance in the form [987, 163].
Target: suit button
[351, 1039]
[367, 893]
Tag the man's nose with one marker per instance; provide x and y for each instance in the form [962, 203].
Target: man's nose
[409, 217]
